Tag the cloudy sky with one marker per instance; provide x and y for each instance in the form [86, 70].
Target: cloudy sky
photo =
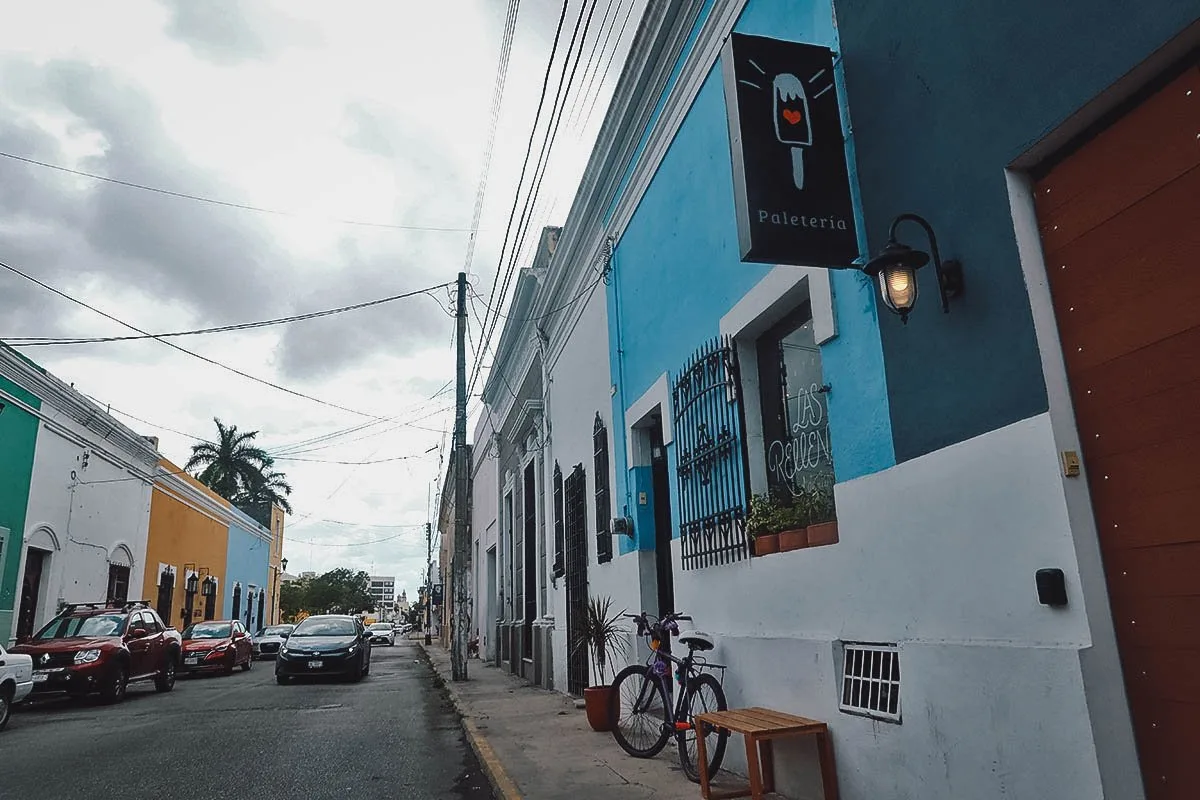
[369, 112]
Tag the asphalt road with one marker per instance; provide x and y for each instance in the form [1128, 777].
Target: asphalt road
[394, 735]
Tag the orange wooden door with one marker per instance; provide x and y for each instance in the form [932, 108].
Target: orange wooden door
[1120, 224]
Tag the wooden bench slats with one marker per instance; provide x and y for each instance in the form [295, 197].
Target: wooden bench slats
[758, 721]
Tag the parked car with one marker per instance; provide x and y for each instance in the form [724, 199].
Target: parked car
[382, 633]
[217, 646]
[98, 647]
[268, 640]
[16, 682]
[329, 644]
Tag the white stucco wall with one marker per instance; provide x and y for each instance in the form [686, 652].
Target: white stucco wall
[89, 508]
[579, 385]
[937, 555]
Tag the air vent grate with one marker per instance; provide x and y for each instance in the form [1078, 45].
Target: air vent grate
[871, 681]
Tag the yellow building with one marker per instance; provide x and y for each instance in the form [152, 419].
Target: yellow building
[187, 548]
[275, 563]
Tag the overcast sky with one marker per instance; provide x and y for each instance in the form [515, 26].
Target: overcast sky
[375, 112]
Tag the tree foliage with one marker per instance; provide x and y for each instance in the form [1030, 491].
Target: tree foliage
[237, 469]
[339, 591]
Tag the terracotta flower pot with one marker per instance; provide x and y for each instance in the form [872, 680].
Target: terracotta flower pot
[823, 533]
[793, 539]
[766, 543]
[598, 700]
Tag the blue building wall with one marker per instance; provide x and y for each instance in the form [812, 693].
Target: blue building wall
[247, 563]
[944, 96]
[676, 271]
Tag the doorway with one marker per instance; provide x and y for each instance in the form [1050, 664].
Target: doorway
[1120, 228]
[490, 617]
[660, 480]
[118, 584]
[31, 590]
[529, 518]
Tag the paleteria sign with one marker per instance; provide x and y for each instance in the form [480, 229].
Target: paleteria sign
[791, 182]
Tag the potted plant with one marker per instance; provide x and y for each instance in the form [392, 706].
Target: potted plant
[823, 527]
[602, 635]
[778, 522]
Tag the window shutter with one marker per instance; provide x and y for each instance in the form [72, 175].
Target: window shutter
[559, 534]
[603, 503]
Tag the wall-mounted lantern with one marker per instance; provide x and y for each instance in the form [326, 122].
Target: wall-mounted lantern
[209, 587]
[283, 564]
[192, 583]
[896, 268]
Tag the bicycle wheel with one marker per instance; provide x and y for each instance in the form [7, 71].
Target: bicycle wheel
[640, 712]
[704, 695]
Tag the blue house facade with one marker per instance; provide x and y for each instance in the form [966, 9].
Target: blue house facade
[957, 583]
[247, 571]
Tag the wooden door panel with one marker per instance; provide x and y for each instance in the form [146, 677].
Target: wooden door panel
[1172, 362]
[1146, 421]
[1166, 571]
[1081, 192]
[1142, 474]
[1158, 621]
[1153, 672]
[1167, 518]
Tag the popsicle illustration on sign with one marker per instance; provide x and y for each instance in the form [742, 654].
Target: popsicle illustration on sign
[792, 125]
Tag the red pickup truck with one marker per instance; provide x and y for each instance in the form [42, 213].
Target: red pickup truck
[100, 647]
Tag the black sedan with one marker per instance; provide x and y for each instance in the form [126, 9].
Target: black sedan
[330, 644]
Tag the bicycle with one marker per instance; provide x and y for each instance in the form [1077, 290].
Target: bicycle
[644, 719]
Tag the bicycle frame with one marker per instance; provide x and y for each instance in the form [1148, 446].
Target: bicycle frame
[687, 669]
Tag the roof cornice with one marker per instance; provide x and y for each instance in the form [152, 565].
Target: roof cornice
[59, 396]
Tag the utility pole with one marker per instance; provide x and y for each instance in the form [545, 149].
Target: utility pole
[460, 629]
[428, 583]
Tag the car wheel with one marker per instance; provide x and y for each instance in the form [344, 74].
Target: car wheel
[249, 663]
[113, 689]
[6, 696]
[281, 679]
[367, 663]
[165, 680]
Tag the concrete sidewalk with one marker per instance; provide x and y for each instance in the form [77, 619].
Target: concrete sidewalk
[535, 744]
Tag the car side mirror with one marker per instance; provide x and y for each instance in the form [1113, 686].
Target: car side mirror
[137, 633]
[24, 639]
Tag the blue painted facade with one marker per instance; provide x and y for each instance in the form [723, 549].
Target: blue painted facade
[676, 271]
[246, 566]
[944, 97]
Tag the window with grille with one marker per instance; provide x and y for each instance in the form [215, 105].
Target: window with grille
[871, 681]
[603, 508]
[559, 536]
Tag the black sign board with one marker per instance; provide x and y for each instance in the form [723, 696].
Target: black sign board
[791, 182]
[437, 595]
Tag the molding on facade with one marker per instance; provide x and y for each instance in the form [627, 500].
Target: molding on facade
[64, 399]
[659, 394]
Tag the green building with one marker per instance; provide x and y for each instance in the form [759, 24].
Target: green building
[18, 436]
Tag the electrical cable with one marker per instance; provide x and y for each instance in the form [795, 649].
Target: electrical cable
[35, 341]
[528, 152]
[611, 58]
[174, 346]
[225, 203]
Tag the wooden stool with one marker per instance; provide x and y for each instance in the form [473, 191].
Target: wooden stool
[760, 726]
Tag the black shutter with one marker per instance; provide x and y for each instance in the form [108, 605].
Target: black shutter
[559, 535]
[603, 504]
[575, 512]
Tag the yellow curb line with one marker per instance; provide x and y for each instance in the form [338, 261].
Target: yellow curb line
[502, 784]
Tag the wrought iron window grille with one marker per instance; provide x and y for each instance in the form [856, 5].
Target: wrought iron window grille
[603, 503]
[559, 536]
[712, 471]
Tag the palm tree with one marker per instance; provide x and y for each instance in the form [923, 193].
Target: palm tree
[238, 470]
[268, 488]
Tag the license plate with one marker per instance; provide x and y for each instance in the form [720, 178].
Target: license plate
[316, 664]
[192, 661]
[40, 677]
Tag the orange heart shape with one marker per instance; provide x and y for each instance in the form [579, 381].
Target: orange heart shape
[791, 116]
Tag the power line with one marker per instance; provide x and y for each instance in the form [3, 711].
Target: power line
[348, 463]
[510, 25]
[611, 58]
[36, 341]
[226, 203]
[525, 163]
[171, 344]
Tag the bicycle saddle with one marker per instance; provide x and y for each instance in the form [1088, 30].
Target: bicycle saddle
[697, 640]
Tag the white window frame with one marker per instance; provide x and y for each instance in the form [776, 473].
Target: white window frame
[846, 681]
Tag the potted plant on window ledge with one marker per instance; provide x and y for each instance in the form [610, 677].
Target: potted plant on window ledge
[776, 523]
[602, 635]
[822, 526]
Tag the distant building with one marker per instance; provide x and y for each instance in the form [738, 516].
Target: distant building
[383, 590]
[308, 575]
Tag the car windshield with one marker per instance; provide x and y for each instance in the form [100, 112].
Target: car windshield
[381, 626]
[275, 630]
[324, 627]
[95, 625]
[207, 630]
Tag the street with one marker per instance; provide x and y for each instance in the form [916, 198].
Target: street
[391, 736]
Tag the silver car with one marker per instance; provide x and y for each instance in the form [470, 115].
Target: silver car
[382, 633]
[268, 640]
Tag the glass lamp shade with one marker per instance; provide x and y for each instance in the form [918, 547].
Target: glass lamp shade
[192, 582]
[898, 285]
[208, 588]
